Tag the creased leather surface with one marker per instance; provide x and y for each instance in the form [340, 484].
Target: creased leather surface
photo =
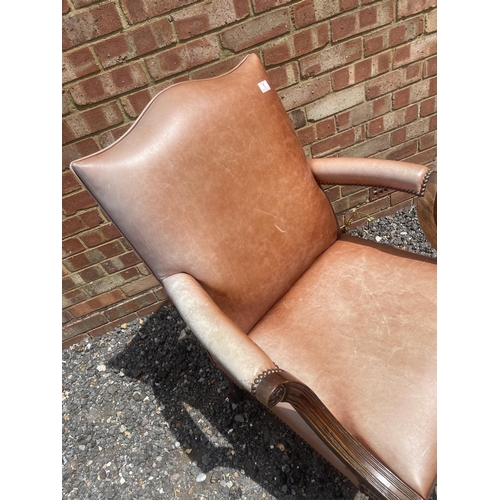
[212, 181]
[359, 328]
[404, 176]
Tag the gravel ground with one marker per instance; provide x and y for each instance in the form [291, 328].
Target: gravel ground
[146, 415]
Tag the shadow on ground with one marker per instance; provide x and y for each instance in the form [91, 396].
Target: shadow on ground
[215, 433]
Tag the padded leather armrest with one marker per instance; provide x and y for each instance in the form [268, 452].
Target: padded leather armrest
[403, 176]
[242, 358]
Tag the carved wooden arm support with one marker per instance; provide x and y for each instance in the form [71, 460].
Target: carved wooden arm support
[399, 175]
[274, 386]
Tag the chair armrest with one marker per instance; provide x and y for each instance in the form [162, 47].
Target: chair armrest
[236, 353]
[399, 175]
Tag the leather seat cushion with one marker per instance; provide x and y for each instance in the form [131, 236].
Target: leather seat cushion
[359, 328]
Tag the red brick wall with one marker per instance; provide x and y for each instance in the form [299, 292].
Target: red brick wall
[357, 77]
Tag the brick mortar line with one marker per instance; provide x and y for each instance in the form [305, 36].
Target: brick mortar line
[328, 153]
[363, 82]
[218, 30]
[67, 343]
[416, 14]
[67, 195]
[142, 60]
[396, 21]
[70, 4]
[128, 120]
[251, 10]
[151, 20]
[128, 318]
[98, 62]
[366, 124]
[102, 310]
[151, 80]
[364, 57]
[88, 297]
[298, 31]
[106, 274]
[109, 306]
[66, 309]
[224, 53]
[92, 40]
[96, 247]
[261, 45]
[127, 26]
[404, 66]
[105, 220]
[359, 206]
[81, 231]
[97, 264]
[78, 9]
[415, 139]
[95, 135]
[72, 106]
[325, 72]
[75, 108]
[362, 34]
[90, 44]
[71, 8]
[85, 107]
[121, 15]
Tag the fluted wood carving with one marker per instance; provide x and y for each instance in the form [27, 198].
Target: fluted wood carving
[375, 479]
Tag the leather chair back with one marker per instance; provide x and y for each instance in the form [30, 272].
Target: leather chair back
[211, 180]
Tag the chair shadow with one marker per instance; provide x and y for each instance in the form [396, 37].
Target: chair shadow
[185, 382]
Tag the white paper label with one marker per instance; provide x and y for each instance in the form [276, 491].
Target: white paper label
[264, 86]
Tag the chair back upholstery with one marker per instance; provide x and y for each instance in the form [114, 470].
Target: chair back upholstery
[211, 180]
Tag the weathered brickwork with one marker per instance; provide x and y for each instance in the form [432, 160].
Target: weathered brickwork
[357, 78]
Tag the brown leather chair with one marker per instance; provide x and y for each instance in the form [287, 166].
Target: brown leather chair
[336, 334]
